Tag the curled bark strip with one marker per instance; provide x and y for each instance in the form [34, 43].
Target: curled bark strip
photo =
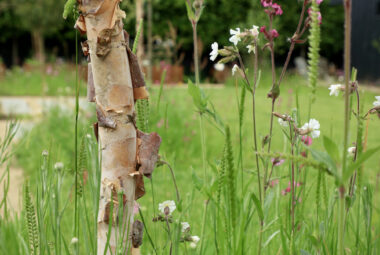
[147, 152]
[85, 48]
[103, 120]
[137, 233]
[140, 188]
[96, 130]
[136, 73]
[140, 93]
[80, 25]
[90, 85]
[105, 38]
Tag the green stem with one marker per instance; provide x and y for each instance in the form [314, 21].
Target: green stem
[347, 66]
[196, 57]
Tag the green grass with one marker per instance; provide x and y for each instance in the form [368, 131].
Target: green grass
[178, 124]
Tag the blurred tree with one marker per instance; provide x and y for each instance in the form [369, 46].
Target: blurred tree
[40, 17]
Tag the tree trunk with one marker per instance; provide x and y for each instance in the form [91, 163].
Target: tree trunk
[38, 46]
[15, 53]
[102, 20]
[139, 18]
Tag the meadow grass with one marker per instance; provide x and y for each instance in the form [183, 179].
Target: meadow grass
[177, 123]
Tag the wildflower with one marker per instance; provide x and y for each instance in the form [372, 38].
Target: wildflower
[274, 183]
[194, 241]
[45, 153]
[234, 69]
[277, 9]
[289, 188]
[167, 207]
[335, 88]
[319, 2]
[254, 31]
[74, 240]
[266, 3]
[277, 161]
[307, 140]
[235, 38]
[283, 123]
[251, 48]
[214, 52]
[312, 128]
[219, 67]
[185, 226]
[377, 102]
[58, 166]
[352, 151]
[274, 33]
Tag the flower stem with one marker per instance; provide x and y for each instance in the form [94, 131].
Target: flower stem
[347, 66]
[196, 57]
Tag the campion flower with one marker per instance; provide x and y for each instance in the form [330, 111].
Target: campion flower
[266, 3]
[167, 207]
[251, 48]
[289, 188]
[351, 151]
[307, 140]
[319, 2]
[235, 38]
[194, 241]
[58, 166]
[283, 123]
[234, 69]
[377, 102]
[277, 9]
[74, 240]
[185, 226]
[269, 35]
[277, 161]
[274, 33]
[214, 53]
[255, 31]
[219, 67]
[335, 88]
[312, 128]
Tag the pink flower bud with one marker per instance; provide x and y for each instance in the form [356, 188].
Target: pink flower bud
[274, 33]
[277, 9]
[319, 2]
[266, 3]
[307, 140]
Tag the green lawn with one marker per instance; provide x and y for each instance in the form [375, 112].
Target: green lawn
[178, 124]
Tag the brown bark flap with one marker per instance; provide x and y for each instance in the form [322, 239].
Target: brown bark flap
[136, 73]
[147, 152]
[137, 233]
[140, 93]
[80, 25]
[103, 120]
[140, 188]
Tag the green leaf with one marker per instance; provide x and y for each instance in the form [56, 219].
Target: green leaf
[356, 165]
[190, 12]
[324, 158]
[270, 238]
[199, 98]
[258, 206]
[198, 183]
[331, 148]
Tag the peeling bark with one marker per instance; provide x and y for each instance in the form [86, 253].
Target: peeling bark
[101, 20]
[115, 82]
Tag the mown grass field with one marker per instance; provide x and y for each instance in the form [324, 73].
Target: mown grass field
[177, 122]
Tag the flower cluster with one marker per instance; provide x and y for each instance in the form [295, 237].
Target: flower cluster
[271, 8]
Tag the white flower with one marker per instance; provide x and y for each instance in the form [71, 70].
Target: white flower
[214, 53]
[235, 38]
[312, 128]
[255, 31]
[185, 226]
[45, 153]
[169, 204]
[251, 48]
[377, 102]
[194, 241]
[352, 151]
[283, 123]
[58, 166]
[234, 69]
[74, 240]
[219, 67]
[334, 89]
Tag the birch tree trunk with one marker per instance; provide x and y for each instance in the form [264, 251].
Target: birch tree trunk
[102, 21]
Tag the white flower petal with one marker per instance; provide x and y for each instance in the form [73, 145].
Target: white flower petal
[169, 203]
[214, 53]
[234, 69]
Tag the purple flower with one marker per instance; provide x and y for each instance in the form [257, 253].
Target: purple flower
[277, 161]
[277, 9]
[274, 33]
[307, 140]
